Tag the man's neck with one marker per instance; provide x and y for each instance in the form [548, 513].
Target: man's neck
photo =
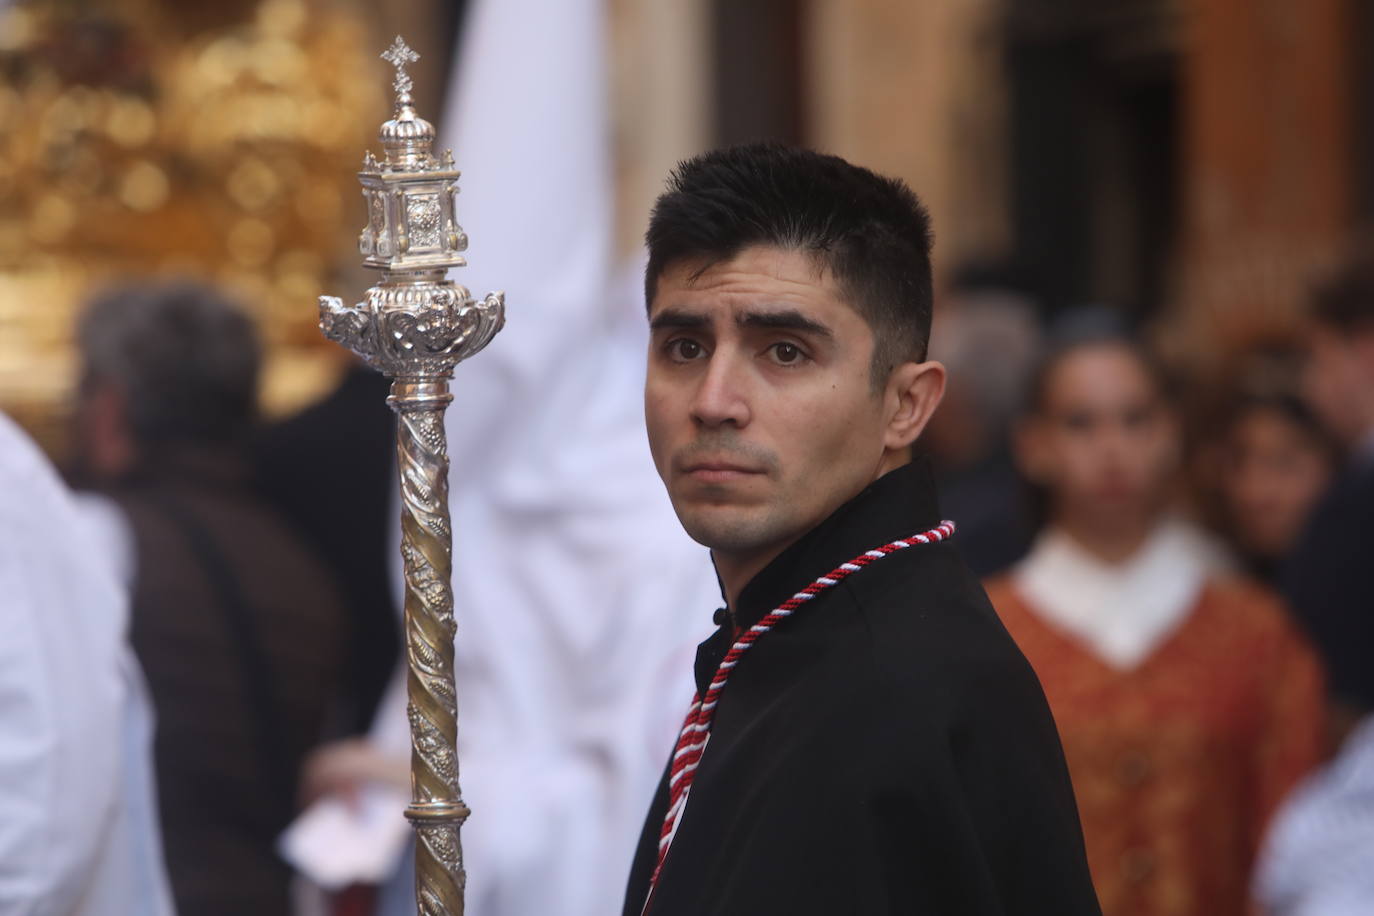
[736, 571]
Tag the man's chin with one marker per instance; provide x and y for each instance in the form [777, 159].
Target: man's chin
[731, 529]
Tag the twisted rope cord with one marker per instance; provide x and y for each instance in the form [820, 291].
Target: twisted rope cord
[696, 729]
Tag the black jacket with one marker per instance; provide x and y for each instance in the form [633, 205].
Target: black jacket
[1329, 583]
[885, 750]
[239, 630]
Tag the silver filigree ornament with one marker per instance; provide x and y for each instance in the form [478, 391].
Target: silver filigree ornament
[423, 217]
[415, 322]
[398, 55]
[415, 325]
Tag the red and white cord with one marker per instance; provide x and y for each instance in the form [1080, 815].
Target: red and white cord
[696, 730]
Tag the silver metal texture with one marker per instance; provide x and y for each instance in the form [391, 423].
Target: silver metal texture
[415, 325]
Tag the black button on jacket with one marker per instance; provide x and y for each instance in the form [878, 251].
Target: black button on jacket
[887, 749]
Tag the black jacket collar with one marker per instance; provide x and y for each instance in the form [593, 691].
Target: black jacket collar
[897, 505]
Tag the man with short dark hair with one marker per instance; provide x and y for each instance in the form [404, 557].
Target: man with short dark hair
[866, 737]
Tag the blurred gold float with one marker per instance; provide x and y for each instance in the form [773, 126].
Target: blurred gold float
[156, 138]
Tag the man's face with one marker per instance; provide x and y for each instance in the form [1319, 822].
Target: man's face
[761, 412]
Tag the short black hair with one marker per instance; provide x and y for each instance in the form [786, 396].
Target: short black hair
[186, 357]
[871, 232]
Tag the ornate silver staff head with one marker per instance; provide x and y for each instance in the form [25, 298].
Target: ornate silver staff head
[414, 323]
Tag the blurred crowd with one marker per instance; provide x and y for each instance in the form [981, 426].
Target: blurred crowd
[1185, 567]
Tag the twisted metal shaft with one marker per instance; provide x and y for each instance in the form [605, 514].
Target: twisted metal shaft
[437, 810]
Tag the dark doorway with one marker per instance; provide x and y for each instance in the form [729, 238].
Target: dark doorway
[758, 70]
[1094, 146]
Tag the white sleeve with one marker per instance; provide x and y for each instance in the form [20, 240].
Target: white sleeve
[59, 709]
[26, 874]
[62, 693]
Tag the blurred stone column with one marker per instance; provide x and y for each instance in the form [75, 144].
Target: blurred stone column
[661, 87]
[917, 90]
[1267, 160]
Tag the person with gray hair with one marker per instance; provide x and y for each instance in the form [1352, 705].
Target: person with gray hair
[237, 625]
[163, 368]
[988, 337]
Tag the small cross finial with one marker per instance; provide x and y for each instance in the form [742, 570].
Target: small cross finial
[398, 55]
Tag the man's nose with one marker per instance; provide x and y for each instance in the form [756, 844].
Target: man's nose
[721, 395]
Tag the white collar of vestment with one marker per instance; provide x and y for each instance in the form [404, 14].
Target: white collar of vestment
[1120, 612]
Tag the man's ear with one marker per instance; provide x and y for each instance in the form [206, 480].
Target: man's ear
[913, 392]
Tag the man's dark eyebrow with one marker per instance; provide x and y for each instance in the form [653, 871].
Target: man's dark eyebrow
[784, 320]
[677, 318]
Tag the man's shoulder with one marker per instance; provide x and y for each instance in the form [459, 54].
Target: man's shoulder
[932, 683]
[931, 632]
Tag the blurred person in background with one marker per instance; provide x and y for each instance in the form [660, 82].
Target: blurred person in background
[1329, 580]
[987, 335]
[1318, 854]
[303, 466]
[1187, 702]
[345, 444]
[236, 624]
[1275, 460]
[78, 811]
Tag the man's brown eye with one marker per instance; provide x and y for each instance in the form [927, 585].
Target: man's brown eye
[786, 352]
[686, 349]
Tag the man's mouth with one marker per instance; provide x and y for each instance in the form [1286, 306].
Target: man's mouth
[718, 471]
